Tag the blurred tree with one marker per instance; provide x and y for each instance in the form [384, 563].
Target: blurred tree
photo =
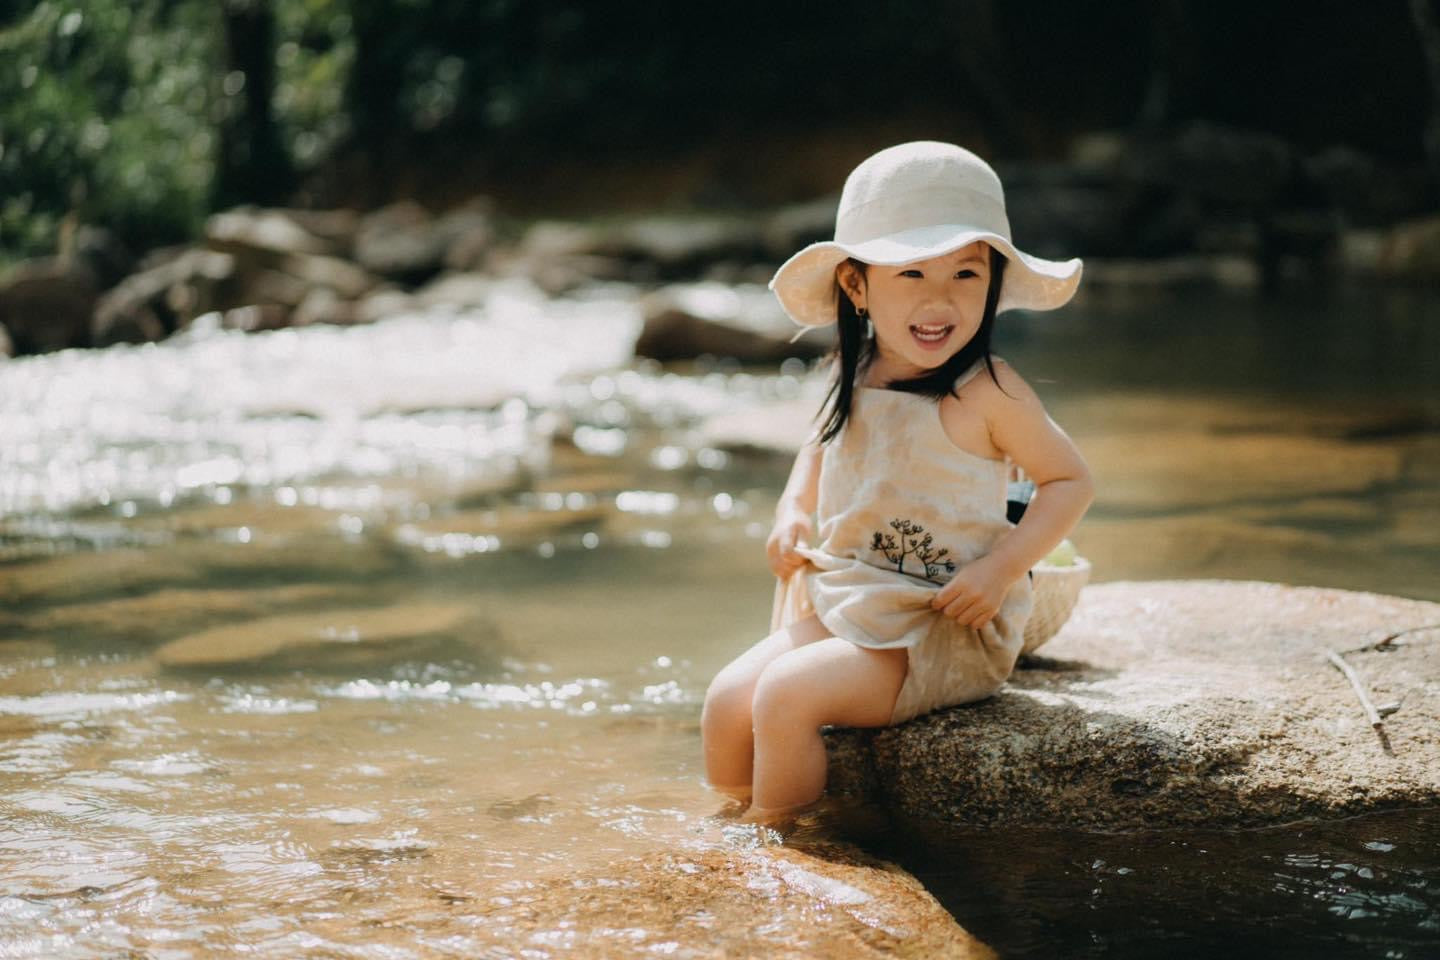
[384, 38]
[1169, 63]
[1427, 31]
[251, 164]
[983, 58]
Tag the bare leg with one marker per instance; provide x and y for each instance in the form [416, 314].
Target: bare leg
[832, 681]
[726, 723]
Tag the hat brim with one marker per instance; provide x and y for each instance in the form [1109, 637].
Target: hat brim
[805, 284]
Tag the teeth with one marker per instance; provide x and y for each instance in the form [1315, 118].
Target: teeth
[925, 332]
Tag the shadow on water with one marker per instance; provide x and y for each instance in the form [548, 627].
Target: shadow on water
[1363, 887]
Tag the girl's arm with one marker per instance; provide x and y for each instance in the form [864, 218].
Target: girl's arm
[792, 513]
[1064, 488]
[804, 484]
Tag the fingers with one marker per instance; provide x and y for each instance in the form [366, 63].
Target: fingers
[780, 550]
[786, 571]
[785, 562]
[782, 540]
[970, 611]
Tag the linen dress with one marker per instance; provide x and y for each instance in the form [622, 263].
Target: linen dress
[899, 510]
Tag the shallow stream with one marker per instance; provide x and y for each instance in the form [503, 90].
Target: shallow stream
[522, 561]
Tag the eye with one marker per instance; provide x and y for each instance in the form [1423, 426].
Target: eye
[966, 273]
[911, 273]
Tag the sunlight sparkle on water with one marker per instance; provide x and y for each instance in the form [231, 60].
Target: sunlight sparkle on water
[213, 407]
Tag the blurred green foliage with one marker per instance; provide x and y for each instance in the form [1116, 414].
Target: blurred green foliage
[109, 110]
[314, 55]
[105, 111]
[116, 112]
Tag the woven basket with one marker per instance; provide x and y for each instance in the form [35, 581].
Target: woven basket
[1056, 589]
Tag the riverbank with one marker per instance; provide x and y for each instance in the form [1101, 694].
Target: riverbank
[1205, 207]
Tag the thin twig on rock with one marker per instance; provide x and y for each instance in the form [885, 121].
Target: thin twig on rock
[1370, 710]
[1398, 633]
[1388, 641]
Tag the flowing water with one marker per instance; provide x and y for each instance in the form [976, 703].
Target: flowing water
[355, 642]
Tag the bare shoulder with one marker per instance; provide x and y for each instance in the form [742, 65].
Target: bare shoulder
[969, 413]
[1007, 392]
[1019, 425]
[1008, 400]
[1011, 381]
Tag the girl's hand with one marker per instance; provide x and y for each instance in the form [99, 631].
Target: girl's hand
[973, 596]
[792, 525]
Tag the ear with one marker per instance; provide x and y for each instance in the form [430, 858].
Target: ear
[852, 281]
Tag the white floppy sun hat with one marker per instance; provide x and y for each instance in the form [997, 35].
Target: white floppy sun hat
[911, 202]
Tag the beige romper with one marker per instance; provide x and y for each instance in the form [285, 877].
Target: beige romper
[900, 509]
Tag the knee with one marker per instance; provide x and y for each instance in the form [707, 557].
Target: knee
[727, 703]
[783, 697]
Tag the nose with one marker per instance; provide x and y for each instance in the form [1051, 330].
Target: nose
[939, 301]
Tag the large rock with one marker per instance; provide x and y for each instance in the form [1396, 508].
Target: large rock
[99, 248]
[798, 225]
[45, 304]
[466, 289]
[323, 305]
[250, 230]
[353, 636]
[468, 232]
[166, 295]
[1365, 190]
[1229, 167]
[686, 320]
[401, 242]
[336, 227]
[132, 619]
[86, 576]
[560, 256]
[681, 245]
[278, 261]
[1406, 251]
[1207, 188]
[1188, 702]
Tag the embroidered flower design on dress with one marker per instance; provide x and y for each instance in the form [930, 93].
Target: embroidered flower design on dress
[914, 542]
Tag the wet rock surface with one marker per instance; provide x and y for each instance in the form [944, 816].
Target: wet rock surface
[1179, 703]
[366, 635]
[739, 902]
[745, 322]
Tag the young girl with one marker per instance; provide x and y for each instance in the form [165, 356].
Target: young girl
[917, 593]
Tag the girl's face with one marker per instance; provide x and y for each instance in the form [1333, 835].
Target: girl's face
[923, 312]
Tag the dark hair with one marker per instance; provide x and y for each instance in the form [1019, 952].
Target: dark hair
[855, 352]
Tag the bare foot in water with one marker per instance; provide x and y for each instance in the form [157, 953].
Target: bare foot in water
[732, 810]
[782, 816]
[738, 799]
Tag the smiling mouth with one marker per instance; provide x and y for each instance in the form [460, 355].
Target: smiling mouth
[927, 333]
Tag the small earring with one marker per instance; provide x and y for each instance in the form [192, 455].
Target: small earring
[862, 313]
